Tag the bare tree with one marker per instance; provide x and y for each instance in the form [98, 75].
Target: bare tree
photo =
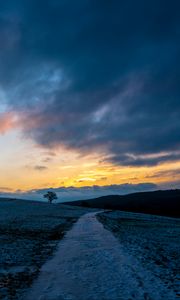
[50, 196]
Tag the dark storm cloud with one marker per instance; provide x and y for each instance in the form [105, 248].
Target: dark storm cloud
[132, 160]
[95, 75]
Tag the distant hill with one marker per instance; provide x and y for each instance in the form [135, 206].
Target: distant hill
[165, 203]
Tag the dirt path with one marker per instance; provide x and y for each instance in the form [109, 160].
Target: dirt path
[90, 264]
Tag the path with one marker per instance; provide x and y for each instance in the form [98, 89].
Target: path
[90, 264]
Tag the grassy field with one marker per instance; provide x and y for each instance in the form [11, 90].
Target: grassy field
[29, 233]
[152, 240]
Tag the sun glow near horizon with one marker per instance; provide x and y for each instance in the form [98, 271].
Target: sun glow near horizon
[26, 166]
[89, 94]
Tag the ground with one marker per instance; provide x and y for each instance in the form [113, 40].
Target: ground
[92, 264]
[109, 255]
[29, 233]
[153, 240]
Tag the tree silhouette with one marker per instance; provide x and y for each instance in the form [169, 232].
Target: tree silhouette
[50, 196]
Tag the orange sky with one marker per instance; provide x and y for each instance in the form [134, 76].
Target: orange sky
[102, 80]
[26, 166]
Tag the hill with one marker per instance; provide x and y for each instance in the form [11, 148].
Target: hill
[165, 203]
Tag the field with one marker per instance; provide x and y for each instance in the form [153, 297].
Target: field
[152, 240]
[144, 256]
[29, 233]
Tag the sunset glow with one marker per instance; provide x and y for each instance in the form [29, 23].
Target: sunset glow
[89, 96]
[26, 166]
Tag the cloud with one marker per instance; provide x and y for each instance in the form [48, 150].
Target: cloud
[143, 160]
[86, 192]
[173, 174]
[40, 168]
[36, 167]
[7, 122]
[95, 76]
[5, 189]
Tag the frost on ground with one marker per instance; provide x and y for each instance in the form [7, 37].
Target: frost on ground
[153, 240]
[139, 261]
[91, 264]
[29, 232]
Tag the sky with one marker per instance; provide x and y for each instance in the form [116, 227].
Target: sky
[89, 97]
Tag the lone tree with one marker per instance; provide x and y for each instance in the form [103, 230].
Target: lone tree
[50, 196]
